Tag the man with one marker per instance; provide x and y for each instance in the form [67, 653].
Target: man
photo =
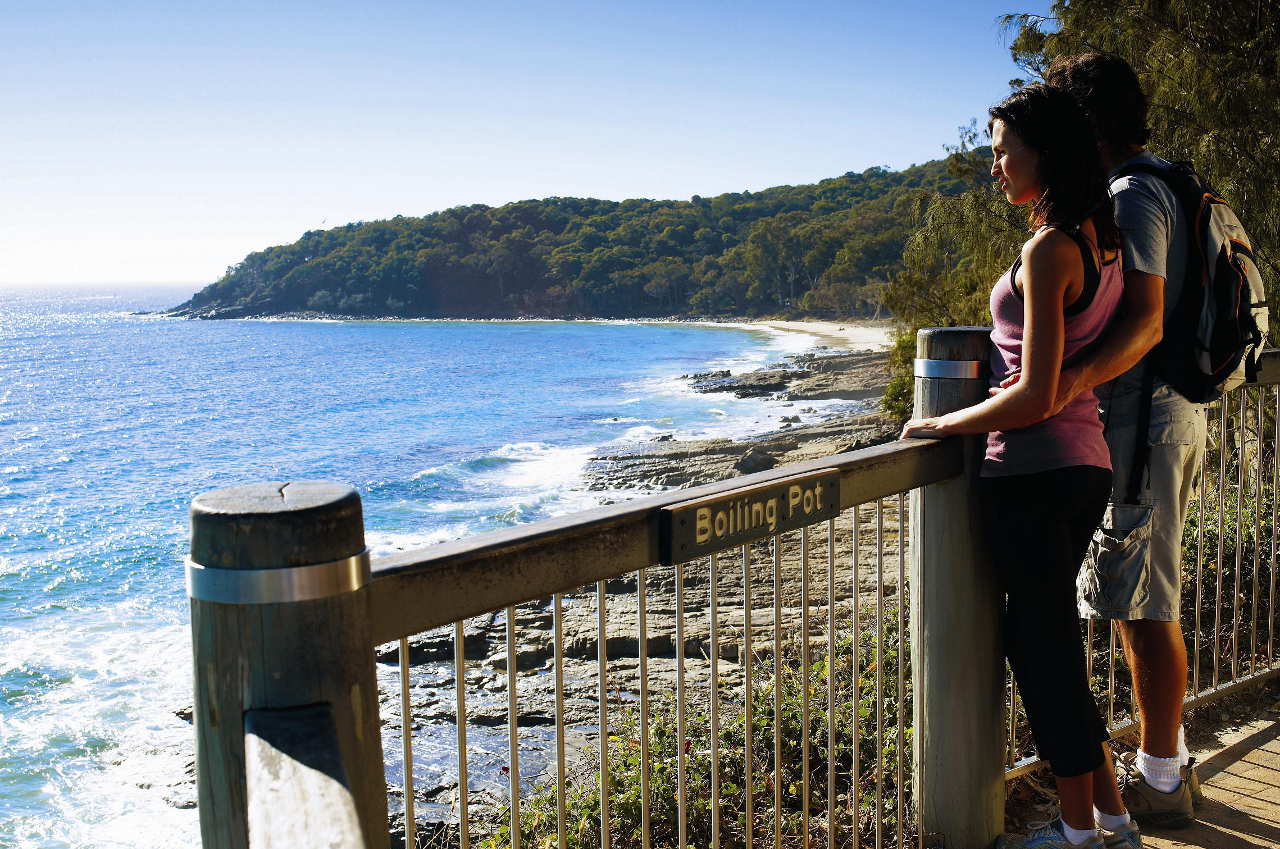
[1155, 234]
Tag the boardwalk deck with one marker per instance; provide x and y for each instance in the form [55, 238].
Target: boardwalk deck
[1242, 791]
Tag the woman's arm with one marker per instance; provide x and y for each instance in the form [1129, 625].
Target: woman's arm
[1050, 262]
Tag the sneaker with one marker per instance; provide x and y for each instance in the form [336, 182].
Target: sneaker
[1191, 777]
[1148, 806]
[1124, 837]
[1045, 835]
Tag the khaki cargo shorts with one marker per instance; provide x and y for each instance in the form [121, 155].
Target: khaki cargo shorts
[1177, 435]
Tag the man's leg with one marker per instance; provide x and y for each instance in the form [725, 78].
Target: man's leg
[1157, 657]
[1153, 642]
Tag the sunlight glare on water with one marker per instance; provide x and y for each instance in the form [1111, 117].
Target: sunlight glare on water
[110, 423]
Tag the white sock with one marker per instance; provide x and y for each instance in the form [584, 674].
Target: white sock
[1110, 821]
[1183, 755]
[1078, 835]
[1161, 773]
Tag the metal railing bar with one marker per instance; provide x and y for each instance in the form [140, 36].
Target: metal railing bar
[714, 602]
[513, 727]
[460, 720]
[1257, 532]
[831, 683]
[855, 792]
[602, 660]
[1013, 722]
[1195, 632]
[406, 746]
[642, 610]
[1275, 534]
[1132, 725]
[1111, 671]
[427, 588]
[562, 774]
[1268, 368]
[1222, 490]
[682, 813]
[1088, 650]
[748, 735]
[879, 816]
[805, 662]
[916, 795]
[777, 693]
[902, 666]
[1242, 440]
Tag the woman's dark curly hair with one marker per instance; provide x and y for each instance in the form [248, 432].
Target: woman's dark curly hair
[1051, 122]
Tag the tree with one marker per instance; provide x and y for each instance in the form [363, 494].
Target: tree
[774, 256]
[1211, 70]
[739, 253]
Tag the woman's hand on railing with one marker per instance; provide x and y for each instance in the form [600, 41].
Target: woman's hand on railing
[927, 428]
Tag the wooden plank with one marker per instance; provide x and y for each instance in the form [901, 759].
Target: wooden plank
[1268, 367]
[297, 787]
[419, 590]
[956, 657]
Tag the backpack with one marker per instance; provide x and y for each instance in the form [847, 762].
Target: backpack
[1212, 337]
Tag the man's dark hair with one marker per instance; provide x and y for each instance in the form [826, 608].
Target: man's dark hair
[1054, 124]
[1109, 90]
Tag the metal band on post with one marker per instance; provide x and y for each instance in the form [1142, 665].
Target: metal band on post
[956, 369]
[278, 586]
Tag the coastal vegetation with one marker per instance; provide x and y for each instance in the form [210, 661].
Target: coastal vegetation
[1211, 71]
[825, 248]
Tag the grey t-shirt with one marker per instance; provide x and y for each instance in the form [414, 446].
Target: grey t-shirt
[1154, 233]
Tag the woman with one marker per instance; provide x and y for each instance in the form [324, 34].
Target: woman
[1046, 475]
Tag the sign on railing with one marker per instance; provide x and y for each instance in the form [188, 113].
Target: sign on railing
[702, 526]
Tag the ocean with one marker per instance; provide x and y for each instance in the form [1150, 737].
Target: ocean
[111, 422]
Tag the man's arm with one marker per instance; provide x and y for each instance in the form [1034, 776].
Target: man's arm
[1137, 327]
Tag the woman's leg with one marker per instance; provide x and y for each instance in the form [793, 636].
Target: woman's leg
[1106, 790]
[1037, 527]
[1104, 787]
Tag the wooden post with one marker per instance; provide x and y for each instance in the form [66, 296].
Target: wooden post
[270, 633]
[956, 657]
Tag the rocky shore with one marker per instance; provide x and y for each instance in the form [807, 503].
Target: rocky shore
[665, 463]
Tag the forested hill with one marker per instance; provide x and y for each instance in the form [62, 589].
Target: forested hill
[823, 248]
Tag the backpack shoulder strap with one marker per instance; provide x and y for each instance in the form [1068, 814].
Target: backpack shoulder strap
[1142, 168]
[1181, 179]
[1142, 439]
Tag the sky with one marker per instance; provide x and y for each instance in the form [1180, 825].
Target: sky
[160, 142]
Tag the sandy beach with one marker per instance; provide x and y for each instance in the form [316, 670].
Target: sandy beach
[847, 335]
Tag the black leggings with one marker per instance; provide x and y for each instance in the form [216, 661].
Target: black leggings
[1038, 527]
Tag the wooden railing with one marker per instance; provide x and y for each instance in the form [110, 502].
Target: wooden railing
[287, 610]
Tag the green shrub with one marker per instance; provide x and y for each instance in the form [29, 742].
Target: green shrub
[852, 712]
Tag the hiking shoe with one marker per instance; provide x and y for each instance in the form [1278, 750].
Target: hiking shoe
[1148, 806]
[1191, 778]
[1046, 835]
[1124, 837]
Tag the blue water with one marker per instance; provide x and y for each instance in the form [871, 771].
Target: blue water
[110, 423]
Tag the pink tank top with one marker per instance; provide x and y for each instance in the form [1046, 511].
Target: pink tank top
[1074, 436]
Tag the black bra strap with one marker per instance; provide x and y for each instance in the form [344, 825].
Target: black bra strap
[1092, 274]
